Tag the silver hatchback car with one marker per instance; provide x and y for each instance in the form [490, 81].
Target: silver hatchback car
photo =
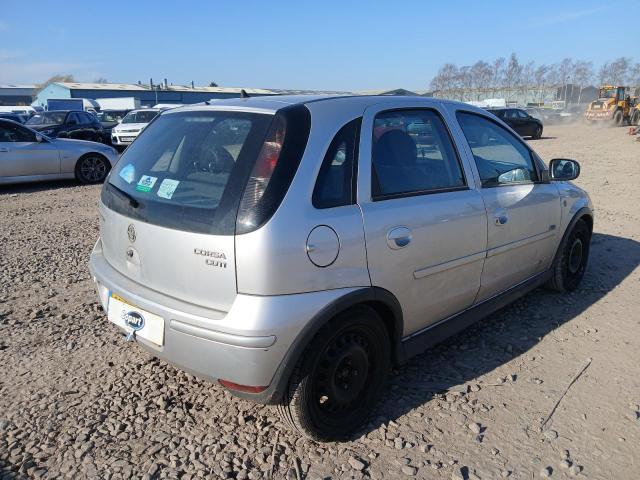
[293, 248]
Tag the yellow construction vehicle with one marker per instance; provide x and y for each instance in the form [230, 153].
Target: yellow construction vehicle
[613, 105]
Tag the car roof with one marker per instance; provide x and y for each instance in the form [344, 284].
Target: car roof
[274, 103]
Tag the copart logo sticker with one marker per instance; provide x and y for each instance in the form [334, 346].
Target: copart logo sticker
[133, 319]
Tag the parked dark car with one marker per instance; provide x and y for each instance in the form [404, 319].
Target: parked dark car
[67, 124]
[109, 119]
[523, 123]
[16, 117]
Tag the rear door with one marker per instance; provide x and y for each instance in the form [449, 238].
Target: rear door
[170, 204]
[425, 224]
[523, 211]
[22, 155]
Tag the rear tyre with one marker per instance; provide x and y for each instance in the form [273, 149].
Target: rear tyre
[339, 377]
[571, 262]
[538, 133]
[92, 168]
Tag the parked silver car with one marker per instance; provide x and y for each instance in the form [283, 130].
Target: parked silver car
[27, 156]
[293, 248]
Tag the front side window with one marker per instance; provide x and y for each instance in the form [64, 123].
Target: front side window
[413, 153]
[501, 158]
[335, 184]
[13, 133]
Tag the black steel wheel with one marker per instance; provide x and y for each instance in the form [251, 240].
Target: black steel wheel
[92, 168]
[572, 259]
[339, 377]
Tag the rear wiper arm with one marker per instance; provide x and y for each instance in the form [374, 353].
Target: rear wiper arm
[132, 201]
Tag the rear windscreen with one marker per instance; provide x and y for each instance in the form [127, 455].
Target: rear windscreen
[188, 170]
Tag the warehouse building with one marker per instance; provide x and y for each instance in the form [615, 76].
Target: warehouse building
[148, 94]
[16, 94]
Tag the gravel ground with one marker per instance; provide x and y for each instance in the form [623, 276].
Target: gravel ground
[77, 401]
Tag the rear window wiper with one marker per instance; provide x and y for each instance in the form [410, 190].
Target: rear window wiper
[132, 201]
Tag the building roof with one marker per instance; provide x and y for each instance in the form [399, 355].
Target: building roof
[170, 88]
[6, 86]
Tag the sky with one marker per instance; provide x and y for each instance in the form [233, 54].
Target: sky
[324, 45]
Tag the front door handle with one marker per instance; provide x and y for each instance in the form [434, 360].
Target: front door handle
[4, 149]
[399, 237]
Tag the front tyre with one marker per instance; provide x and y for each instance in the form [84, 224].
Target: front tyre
[339, 377]
[537, 135]
[92, 168]
[618, 118]
[571, 263]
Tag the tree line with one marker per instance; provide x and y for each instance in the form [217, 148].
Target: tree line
[512, 75]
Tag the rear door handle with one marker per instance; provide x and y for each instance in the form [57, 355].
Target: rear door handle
[399, 237]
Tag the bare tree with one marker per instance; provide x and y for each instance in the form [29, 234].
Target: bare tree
[619, 70]
[481, 74]
[56, 78]
[512, 74]
[497, 73]
[100, 80]
[540, 77]
[604, 73]
[527, 79]
[582, 75]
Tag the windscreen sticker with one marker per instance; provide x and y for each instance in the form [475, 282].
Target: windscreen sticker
[146, 183]
[167, 188]
[128, 173]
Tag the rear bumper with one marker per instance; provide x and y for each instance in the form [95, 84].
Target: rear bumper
[245, 345]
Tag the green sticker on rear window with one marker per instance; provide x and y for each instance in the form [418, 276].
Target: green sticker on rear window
[146, 183]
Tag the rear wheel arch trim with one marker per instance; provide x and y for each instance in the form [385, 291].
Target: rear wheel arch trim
[373, 297]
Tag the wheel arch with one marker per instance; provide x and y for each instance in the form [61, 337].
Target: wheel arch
[585, 214]
[379, 299]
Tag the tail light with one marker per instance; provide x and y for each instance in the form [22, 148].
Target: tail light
[262, 173]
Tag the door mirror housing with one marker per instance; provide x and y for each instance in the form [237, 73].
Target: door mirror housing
[40, 138]
[563, 169]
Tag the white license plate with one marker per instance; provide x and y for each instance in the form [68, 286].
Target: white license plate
[145, 324]
[127, 139]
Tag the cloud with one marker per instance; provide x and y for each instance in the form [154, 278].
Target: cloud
[568, 16]
[34, 72]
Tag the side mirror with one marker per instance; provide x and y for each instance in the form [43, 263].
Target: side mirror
[40, 138]
[563, 169]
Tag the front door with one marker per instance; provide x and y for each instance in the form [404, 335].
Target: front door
[425, 224]
[22, 155]
[523, 212]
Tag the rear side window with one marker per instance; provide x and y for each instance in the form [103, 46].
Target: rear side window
[412, 154]
[501, 158]
[335, 185]
[207, 171]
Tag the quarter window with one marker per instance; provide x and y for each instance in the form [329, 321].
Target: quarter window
[501, 158]
[413, 153]
[335, 185]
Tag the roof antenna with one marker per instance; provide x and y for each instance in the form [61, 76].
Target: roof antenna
[243, 93]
